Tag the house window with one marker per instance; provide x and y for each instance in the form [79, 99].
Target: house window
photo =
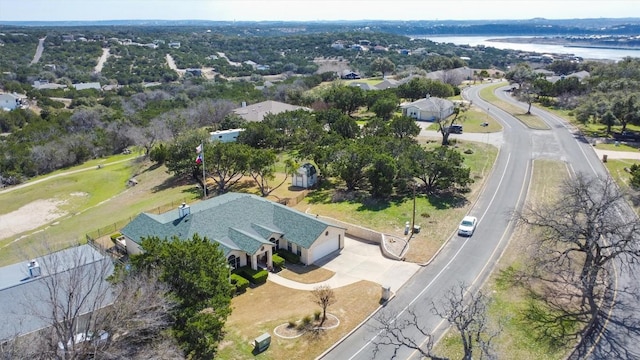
[326, 233]
[299, 250]
[289, 247]
[276, 243]
[234, 262]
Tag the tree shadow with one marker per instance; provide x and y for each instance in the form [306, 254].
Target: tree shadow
[447, 200]
[174, 181]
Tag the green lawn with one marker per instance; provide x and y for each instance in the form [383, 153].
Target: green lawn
[94, 199]
[529, 120]
[472, 121]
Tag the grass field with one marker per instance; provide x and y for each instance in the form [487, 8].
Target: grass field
[93, 199]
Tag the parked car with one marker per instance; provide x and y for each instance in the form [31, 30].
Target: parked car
[455, 129]
[467, 226]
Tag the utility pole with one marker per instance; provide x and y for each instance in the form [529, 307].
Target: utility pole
[413, 219]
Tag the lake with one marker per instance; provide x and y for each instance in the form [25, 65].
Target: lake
[586, 53]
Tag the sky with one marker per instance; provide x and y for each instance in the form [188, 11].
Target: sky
[306, 10]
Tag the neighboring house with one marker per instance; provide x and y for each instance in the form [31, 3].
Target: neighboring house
[224, 136]
[348, 74]
[387, 84]
[85, 86]
[257, 112]
[248, 229]
[305, 177]
[194, 72]
[25, 289]
[581, 75]
[9, 102]
[544, 72]
[428, 109]
[174, 45]
[44, 84]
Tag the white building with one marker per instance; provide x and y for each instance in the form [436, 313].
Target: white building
[428, 109]
[9, 101]
[305, 177]
[224, 136]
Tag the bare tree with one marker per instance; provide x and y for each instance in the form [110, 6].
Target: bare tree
[148, 136]
[444, 125]
[465, 310]
[580, 235]
[469, 316]
[65, 300]
[324, 296]
[78, 314]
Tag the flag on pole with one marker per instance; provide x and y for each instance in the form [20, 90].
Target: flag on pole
[199, 159]
[199, 149]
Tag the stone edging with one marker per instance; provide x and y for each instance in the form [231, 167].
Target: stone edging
[275, 330]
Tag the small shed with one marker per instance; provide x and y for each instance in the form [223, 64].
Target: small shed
[306, 176]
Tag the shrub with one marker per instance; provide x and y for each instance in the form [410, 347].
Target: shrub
[277, 260]
[254, 276]
[289, 256]
[291, 324]
[241, 284]
[316, 315]
[468, 151]
[306, 321]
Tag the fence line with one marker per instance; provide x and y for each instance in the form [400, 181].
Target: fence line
[115, 227]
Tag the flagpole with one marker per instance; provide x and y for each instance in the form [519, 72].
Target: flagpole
[204, 176]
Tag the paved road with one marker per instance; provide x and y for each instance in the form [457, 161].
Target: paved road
[467, 260]
[621, 339]
[39, 50]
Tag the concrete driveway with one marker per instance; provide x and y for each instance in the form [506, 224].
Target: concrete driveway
[359, 260]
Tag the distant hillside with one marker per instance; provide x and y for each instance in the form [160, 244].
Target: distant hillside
[531, 27]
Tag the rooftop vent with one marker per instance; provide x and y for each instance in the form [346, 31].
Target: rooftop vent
[34, 269]
[183, 210]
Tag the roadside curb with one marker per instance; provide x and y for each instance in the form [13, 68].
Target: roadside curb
[342, 339]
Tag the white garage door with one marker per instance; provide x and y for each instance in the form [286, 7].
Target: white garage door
[324, 249]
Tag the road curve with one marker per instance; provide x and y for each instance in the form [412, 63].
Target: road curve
[621, 337]
[467, 260]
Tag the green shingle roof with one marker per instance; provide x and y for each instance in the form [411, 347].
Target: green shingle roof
[236, 221]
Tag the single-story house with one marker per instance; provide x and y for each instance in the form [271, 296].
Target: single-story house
[26, 289]
[230, 135]
[248, 229]
[85, 86]
[194, 72]
[428, 109]
[9, 101]
[350, 75]
[387, 84]
[257, 112]
[45, 84]
[305, 177]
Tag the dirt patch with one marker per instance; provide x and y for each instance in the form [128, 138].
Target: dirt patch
[331, 65]
[30, 216]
